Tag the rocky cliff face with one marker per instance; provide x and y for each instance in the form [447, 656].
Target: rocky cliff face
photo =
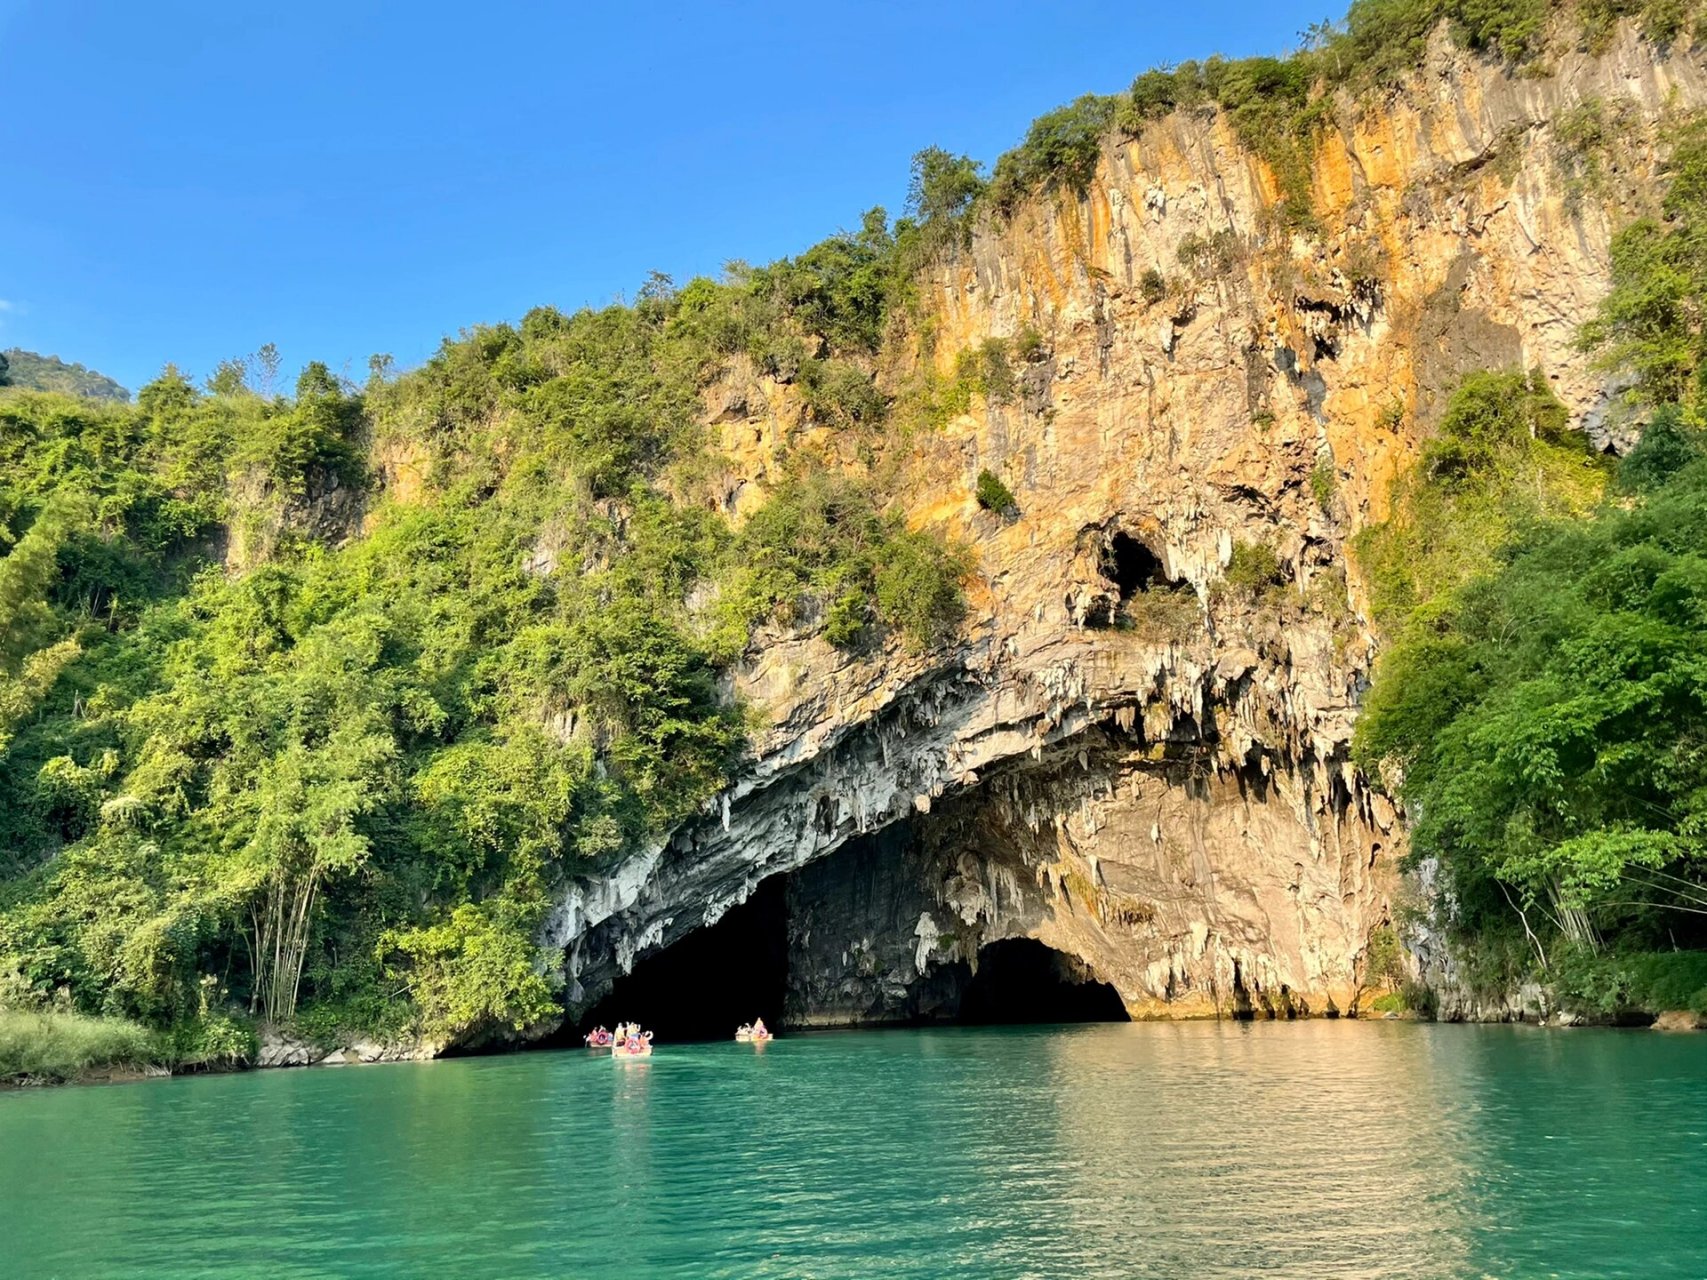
[1124, 757]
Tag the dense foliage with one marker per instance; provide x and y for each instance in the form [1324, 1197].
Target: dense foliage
[1278, 106]
[20, 368]
[1505, 455]
[308, 701]
[1542, 706]
[335, 779]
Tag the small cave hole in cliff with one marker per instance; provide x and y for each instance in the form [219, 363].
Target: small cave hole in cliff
[1133, 567]
[710, 982]
[1020, 980]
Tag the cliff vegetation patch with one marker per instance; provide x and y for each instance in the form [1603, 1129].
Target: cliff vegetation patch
[1540, 708]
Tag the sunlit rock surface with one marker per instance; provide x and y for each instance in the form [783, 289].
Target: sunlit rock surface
[1119, 757]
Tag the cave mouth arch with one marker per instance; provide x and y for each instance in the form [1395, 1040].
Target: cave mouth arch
[1133, 567]
[1021, 980]
[712, 980]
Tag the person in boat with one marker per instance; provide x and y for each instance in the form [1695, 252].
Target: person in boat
[759, 1027]
[744, 1031]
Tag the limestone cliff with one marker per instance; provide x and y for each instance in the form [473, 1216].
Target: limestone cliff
[1125, 757]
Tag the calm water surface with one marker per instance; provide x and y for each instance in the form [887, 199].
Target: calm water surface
[1196, 1150]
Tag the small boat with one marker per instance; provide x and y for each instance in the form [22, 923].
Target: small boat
[599, 1038]
[635, 1047]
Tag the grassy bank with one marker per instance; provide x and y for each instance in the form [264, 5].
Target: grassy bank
[39, 1047]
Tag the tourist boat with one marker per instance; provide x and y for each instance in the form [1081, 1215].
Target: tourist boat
[746, 1035]
[634, 1047]
[600, 1039]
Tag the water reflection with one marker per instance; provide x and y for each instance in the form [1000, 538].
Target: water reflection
[1201, 1150]
[1324, 1158]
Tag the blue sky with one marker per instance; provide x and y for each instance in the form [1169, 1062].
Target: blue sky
[185, 182]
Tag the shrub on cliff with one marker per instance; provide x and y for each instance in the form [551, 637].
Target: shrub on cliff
[941, 197]
[1252, 572]
[823, 543]
[995, 496]
[1060, 151]
[1504, 456]
[1650, 323]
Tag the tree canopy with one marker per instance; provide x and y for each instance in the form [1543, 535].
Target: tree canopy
[266, 725]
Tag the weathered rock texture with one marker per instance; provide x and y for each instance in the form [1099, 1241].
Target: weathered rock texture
[1156, 781]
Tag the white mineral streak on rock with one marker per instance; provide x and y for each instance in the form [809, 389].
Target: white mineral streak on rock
[928, 935]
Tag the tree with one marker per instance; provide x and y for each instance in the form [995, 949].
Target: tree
[229, 378]
[1546, 722]
[267, 360]
[941, 194]
[308, 801]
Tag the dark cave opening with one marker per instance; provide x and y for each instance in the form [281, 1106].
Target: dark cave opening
[1132, 566]
[713, 980]
[1020, 980]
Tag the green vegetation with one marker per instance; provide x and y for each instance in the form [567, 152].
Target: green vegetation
[50, 1048]
[1253, 571]
[995, 496]
[1162, 615]
[1547, 715]
[1616, 983]
[1324, 482]
[1279, 106]
[929, 401]
[1662, 21]
[335, 782]
[1060, 151]
[1504, 457]
[35, 372]
[822, 540]
[1650, 326]
[1381, 967]
[1540, 706]
[1209, 257]
[942, 197]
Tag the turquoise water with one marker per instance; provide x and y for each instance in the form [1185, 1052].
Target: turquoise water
[1310, 1149]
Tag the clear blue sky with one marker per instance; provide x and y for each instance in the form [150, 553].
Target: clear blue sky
[185, 182]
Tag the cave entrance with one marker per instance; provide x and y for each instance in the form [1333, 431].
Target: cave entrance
[1132, 566]
[1020, 980]
[713, 980]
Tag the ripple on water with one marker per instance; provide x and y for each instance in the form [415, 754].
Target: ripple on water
[1202, 1150]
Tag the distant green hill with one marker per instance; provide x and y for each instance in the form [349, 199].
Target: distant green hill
[50, 373]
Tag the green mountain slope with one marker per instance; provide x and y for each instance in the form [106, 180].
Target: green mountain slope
[49, 373]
